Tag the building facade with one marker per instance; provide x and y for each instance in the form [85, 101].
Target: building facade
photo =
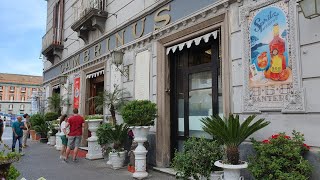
[192, 58]
[16, 92]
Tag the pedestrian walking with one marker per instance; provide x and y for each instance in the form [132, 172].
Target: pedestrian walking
[17, 129]
[75, 123]
[26, 130]
[1, 129]
[64, 131]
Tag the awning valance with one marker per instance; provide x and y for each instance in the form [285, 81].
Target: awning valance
[196, 41]
[56, 86]
[95, 74]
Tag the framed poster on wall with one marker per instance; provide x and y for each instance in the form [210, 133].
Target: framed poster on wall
[271, 77]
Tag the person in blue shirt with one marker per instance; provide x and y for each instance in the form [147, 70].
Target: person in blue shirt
[17, 129]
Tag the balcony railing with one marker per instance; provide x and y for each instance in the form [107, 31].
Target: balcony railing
[84, 7]
[51, 38]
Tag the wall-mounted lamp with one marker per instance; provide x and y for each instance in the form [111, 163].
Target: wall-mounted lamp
[310, 8]
[63, 79]
[117, 60]
[66, 39]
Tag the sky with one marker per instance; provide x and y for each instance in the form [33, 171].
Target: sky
[22, 26]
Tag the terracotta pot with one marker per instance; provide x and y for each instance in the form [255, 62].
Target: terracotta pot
[38, 137]
[33, 135]
[131, 168]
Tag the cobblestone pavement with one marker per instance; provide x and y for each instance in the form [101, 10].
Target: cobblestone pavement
[42, 160]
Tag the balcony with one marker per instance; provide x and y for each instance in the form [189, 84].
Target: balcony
[88, 16]
[52, 44]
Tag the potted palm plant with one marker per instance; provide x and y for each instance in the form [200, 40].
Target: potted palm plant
[55, 102]
[116, 135]
[140, 115]
[113, 100]
[231, 133]
[40, 126]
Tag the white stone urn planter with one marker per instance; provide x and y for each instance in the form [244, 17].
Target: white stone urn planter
[230, 171]
[117, 159]
[94, 149]
[140, 136]
[58, 145]
[52, 140]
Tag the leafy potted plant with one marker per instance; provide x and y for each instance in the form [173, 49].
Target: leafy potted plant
[280, 157]
[51, 116]
[43, 130]
[197, 159]
[113, 100]
[6, 160]
[140, 115]
[35, 120]
[116, 135]
[231, 133]
[40, 126]
[55, 102]
[94, 122]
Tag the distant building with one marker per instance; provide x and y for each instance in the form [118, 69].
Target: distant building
[16, 91]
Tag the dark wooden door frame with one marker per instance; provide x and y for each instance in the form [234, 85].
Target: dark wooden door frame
[213, 66]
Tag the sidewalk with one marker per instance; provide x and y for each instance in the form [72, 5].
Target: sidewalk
[42, 160]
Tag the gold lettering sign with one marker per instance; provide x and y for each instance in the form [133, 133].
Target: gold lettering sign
[86, 55]
[76, 60]
[120, 39]
[108, 44]
[134, 29]
[97, 49]
[163, 20]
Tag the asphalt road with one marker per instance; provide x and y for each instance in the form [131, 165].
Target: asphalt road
[42, 160]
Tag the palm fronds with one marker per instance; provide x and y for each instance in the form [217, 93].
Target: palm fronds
[231, 133]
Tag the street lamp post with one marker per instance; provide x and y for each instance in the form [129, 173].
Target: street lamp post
[310, 8]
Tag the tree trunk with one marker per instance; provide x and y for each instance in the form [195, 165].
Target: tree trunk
[233, 155]
[113, 115]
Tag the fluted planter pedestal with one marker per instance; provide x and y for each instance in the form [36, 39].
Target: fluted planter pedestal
[52, 140]
[58, 145]
[140, 136]
[231, 172]
[94, 149]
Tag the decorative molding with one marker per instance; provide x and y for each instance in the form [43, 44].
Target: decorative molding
[193, 19]
[295, 103]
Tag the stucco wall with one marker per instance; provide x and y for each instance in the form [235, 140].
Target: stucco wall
[309, 44]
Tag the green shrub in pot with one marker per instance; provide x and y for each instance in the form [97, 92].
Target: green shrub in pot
[280, 157]
[94, 117]
[116, 135]
[197, 159]
[139, 113]
[51, 116]
[103, 134]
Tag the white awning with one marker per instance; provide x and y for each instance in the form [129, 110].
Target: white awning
[56, 86]
[190, 42]
[95, 74]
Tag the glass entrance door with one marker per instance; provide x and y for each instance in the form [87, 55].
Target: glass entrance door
[195, 90]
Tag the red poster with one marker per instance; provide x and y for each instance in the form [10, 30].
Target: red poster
[76, 92]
